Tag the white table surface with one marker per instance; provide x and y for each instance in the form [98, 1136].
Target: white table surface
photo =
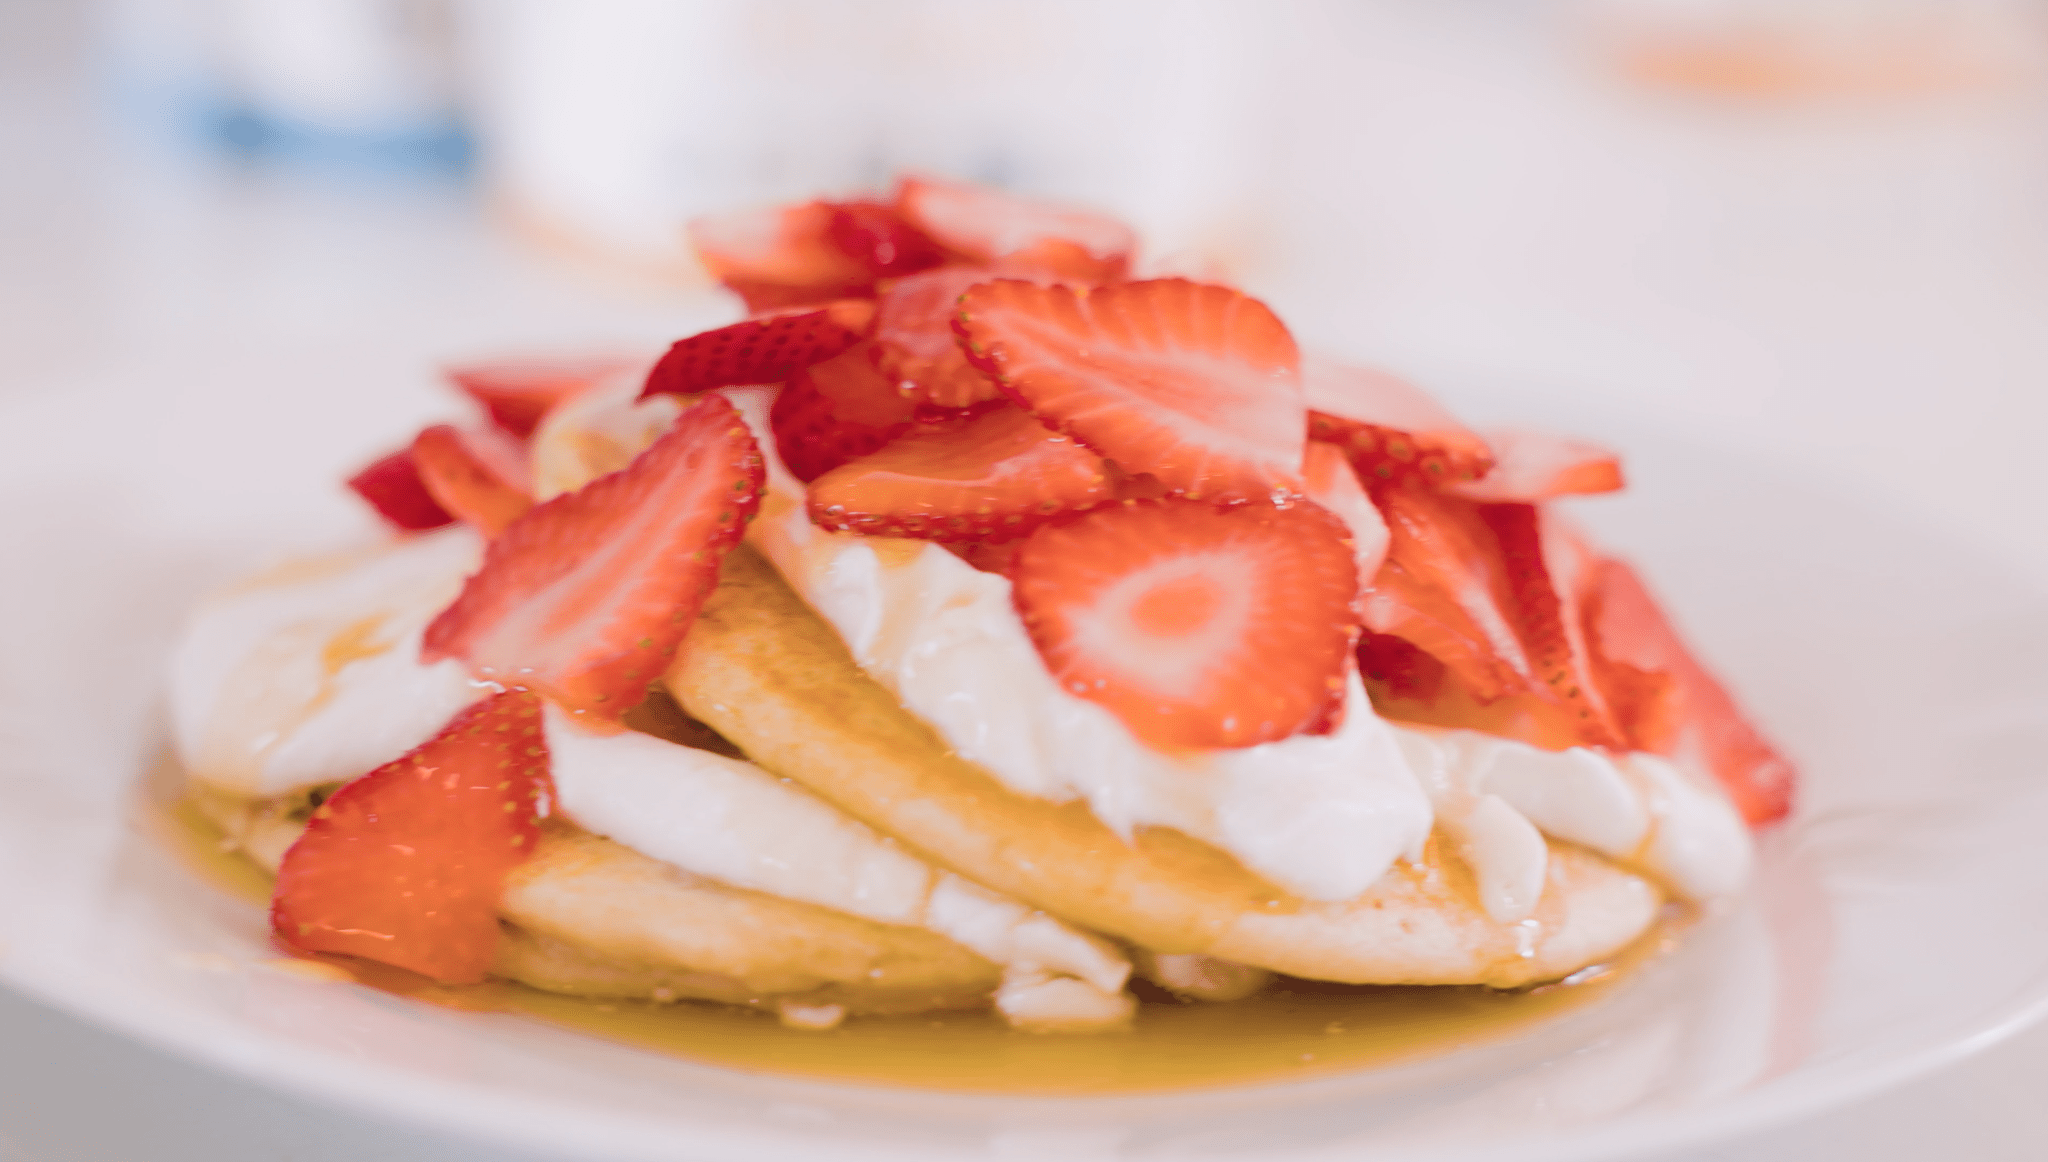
[1860, 294]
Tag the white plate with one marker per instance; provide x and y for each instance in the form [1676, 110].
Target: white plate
[1895, 923]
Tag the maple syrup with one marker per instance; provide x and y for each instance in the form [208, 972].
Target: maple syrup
[1293, 1030]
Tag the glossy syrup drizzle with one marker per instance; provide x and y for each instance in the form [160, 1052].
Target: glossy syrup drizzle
[1293, 1030]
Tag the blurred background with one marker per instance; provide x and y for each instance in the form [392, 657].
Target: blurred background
[1797, 223]
[1815, 230]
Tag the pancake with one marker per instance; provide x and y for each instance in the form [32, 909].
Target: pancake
[589, 917]
[764, 671]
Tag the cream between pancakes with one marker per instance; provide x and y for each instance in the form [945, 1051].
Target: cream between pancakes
[1322, 816]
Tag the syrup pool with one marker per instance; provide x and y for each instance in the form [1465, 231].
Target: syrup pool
[1292, 1031]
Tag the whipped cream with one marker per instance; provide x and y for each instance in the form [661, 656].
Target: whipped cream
[729, 820]
[1323, 816]
[311, 674]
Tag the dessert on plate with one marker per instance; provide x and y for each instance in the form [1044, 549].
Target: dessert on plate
[973, 625]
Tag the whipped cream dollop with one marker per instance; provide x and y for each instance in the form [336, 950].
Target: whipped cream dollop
[311, 672]
[728, 820]
[1322, 816]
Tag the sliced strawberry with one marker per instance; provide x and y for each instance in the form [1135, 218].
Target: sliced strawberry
[764, 349]
[783, 256]
[1328, 479]
[1532, 466]
[519, 392]
[1195, 626]
[394, 488]
[1196, 385]
[585, 598]
[989, 227]
[1669, 703]
[839, 410]
[988, 556]
[1444, 589]
[1388, 426]
[879, 239]
[481, 476]
[915, 348]
[406, 865]
[1489, 593]
[992, 476]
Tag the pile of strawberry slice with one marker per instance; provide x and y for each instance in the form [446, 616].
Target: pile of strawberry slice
[1206, 534]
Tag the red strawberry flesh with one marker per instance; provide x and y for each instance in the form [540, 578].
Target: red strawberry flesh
[782, 256]
[992, 476]
[1390, 428]
[406, 864]
[1329, 480]
[875, 236]
[765, 349]
[915, 348]
[586, 597]
[986, 226]
[1196, 385]
[1195, 626]
[1488, 592]
[393, 487]
[1532, 466]
[518, 393]
[839, 410]
[476, 475]
[1672, 704]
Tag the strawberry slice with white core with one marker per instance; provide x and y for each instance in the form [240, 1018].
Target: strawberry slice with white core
[1328, 479]
[836, 411]
[781, 256]
[764, 349]
[915, 348]
[1669, 703]
[586, 597]
[992, 476]
[393, 487]
[519, 393]
[1195, 626]
[1196, 385]
[1389, 427]
[481, 475]
[1532, 466]
[406, 865]
[988, 227]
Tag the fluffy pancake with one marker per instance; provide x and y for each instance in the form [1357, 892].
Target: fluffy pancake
[590, 917]
[766, 672]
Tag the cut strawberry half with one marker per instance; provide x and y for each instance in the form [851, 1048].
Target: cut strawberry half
[1195, 626]
[993, 476]
[393, 487]
[1487, 591]
[1328, 479]
[836, 411]
[1196, 385]
[1389, 427]
[1670, 704]
[878, 238]
[481, 475]
[518, 393]
[915, 348]
[989, 227]
[765, 349]
[586, 597]
[1532, 466]
[783, 256]
[406, 865]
